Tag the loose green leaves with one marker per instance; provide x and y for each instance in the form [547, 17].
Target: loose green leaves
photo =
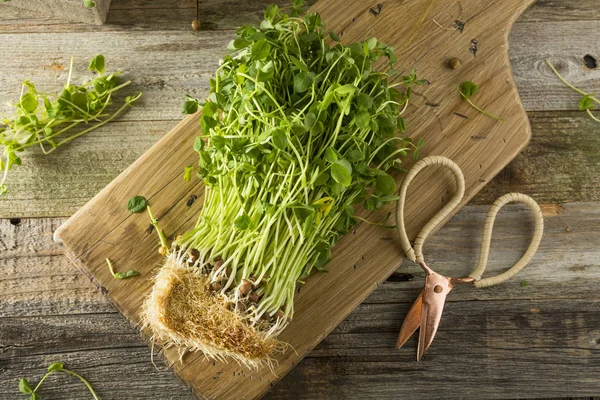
[468, 89]
[26, 389]
[116, 275]
[587, 102]
[137, 204]
[52, 120]
[24, 386]
[97, 64]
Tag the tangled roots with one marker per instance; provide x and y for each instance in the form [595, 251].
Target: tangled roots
[183, 311]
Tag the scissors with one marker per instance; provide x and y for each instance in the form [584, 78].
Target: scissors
[426, 311]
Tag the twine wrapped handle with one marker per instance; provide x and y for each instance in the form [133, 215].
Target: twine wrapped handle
[416, 254]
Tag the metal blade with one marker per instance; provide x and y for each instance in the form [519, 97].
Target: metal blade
[436, 289]
[411, 322]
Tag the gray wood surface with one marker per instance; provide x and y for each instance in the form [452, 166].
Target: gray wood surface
[538, 340]
[63, 10]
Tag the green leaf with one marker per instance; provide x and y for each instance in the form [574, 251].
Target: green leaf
[198, 144]
[355, 155]
[261, 49]
[97, 62]
[341, 172]
[137, 204]
[28, 102]
[279, 139]
[209, 109]
[586, 103]
[401, 125]
[346, 89]
[34, 396]
[333, 36]
[385, 184]
[371, 43]
[362, 119]
[189, 106]
[54, 366]
[468, 89]
[89, 3]
[364, 101]
[24, 386]
[242, 222]
[303, 81]
[271, 11]
[125, 275]
[187, 173]
[331, 155]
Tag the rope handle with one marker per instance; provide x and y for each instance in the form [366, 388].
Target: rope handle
[416, 254]
[487, 237]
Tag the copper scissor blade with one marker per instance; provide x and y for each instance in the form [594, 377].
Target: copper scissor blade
[436, 289]
[411, 322]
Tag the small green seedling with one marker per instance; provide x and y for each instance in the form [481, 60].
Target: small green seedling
[587, 103]
[469, 89]
[25, 386]
[138, 204]
[121, 275]
[52, 120]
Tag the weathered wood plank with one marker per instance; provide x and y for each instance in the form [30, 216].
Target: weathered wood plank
[48, 312]
[59, 184]
[228, 14]
[67, 10]
[531, 44]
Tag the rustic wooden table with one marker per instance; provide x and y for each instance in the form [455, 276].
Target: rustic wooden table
[538, 336]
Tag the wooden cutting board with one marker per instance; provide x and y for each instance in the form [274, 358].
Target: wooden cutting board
[367, 256]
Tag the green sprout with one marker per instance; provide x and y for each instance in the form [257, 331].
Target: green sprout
[587, 103]
[138, 204]
[50, 120]
[121, 275]
[25, 386]
[468, 90]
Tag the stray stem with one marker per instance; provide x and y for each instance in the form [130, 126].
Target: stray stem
[75, 374]
[488, 114]
[483, 111]
[563, 80]
[592, 116]
[82, 379]
[161, 235]
[110, 267]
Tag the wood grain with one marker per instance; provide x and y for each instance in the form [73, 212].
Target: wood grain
[506, 333]
[40, 189]
[66, 10]
[157, 174]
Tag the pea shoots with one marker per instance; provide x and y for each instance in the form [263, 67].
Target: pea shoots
[298, 130]
[52, 120]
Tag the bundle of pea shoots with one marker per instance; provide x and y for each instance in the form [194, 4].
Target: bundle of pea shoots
[298, 129]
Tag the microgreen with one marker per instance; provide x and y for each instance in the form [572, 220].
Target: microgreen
[296, 130]
[89, 3]
[121, 275]
[52, 120]
[587, 103]
[25, 386]
[138, 204]
[469, 89]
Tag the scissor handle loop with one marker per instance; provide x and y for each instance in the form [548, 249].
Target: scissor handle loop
[487, 237]
[416, 254]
